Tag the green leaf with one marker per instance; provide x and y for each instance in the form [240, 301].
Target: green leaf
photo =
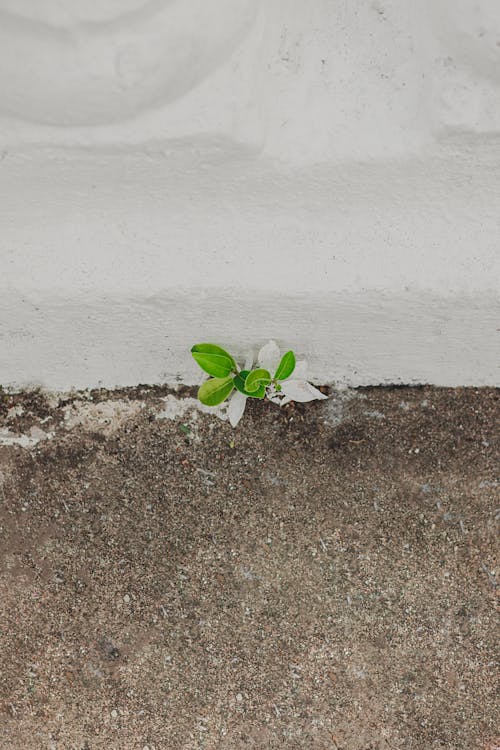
[239, 381]
[259, 393]
[286, 366]
[215, 390]
[256, 379]
[214, 360]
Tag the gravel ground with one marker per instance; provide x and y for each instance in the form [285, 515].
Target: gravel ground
[322, 577]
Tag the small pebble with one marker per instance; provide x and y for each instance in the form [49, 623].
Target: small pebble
[114, 713]
[126, 598]
[239, 697]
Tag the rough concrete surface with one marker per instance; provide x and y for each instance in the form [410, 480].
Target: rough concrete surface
[322, 577]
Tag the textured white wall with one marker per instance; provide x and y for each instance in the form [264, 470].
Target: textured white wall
[306, 81]
[165, 162]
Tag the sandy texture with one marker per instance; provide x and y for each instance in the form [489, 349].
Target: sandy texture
[322, 577]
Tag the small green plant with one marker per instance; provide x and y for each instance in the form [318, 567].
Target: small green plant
[271, 378]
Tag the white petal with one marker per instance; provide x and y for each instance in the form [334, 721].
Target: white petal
[269, 357]
[300, 372]
[248, 361]
[236, 407]
[300, 390]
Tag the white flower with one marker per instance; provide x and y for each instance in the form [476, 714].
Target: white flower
[299, 390]
[238, 400]
[294, 388]
[269, 357]
[236, 407]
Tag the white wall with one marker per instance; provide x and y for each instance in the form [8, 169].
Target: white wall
[325, 173]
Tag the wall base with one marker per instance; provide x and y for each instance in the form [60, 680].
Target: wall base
[114, 264]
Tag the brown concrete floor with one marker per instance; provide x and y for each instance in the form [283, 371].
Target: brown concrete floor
[322, 577]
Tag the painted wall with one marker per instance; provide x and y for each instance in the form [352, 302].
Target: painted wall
[167, 163]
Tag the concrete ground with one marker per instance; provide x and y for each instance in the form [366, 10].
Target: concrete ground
[322, 577]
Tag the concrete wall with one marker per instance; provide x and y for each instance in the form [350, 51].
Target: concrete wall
[323, 173]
